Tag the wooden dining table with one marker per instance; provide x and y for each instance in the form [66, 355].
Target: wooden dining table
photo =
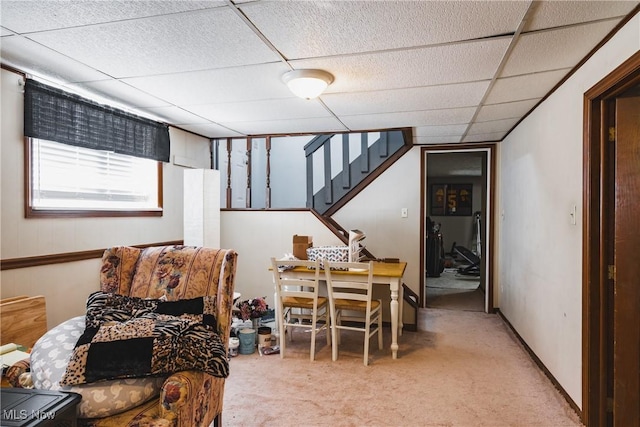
[384, 273]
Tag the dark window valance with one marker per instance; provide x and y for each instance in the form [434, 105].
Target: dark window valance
[56, 115]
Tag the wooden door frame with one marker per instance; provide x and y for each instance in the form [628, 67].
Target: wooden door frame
[489, 197]
[595, 238]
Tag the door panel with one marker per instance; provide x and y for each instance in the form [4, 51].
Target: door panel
[626, 316]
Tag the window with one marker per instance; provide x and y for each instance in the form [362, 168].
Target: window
[66, 180]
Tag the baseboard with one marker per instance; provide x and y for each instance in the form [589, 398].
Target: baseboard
[538, 362]
[410, 327]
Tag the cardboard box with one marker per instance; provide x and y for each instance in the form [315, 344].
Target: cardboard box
[300, 246]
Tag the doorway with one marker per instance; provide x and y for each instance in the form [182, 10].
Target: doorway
[611, 295]
[456, 222]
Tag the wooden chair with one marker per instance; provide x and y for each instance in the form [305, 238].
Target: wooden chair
[298, 303]
[346, 297]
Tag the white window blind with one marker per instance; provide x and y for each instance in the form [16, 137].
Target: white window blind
[69, 177]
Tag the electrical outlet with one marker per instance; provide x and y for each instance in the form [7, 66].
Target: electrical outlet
[404, 212]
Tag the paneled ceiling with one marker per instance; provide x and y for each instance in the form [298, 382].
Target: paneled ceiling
[455, 71]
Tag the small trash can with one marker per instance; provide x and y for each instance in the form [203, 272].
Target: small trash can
[247, 341]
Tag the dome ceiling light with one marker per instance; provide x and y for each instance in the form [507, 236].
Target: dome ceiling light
[307, 84]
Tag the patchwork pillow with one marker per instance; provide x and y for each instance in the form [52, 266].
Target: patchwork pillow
[50, 357]
[104, 307]
[131, 337]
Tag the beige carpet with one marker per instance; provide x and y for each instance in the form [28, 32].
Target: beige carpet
[460, 369]
[453, 291]
[456, 299]
[451, 279]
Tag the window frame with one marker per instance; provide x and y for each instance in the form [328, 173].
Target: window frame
[31, 212]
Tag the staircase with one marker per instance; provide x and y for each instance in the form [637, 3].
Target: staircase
[356, 161]
[351, 179]
[354, 175]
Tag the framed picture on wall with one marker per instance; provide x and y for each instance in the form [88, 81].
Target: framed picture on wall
[451, 199]
[438, 205]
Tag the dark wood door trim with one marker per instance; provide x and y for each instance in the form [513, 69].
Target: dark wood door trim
[594, 268]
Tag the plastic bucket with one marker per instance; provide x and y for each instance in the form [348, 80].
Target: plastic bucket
[247, 341]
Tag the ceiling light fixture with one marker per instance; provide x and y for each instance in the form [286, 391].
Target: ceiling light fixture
[307, 84]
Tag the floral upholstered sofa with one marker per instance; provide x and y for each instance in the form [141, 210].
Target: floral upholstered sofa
[151, 349]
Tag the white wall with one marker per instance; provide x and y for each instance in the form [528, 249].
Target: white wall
[540, 250]
[66, 286]
[259, 235]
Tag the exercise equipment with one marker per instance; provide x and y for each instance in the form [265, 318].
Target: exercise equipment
[472, 258]
[477, 237]
[473, 269]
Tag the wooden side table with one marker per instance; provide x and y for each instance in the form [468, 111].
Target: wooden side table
[43, 408]
[23, 319]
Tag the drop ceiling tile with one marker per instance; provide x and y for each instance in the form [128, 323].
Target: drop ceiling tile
[120, 92]
[485, 137]
[424, 140]
[175, 115]
[207, 39]
[623, 44]
[341, 27]
[505, 110]
[450, 118]
[438, 131]
[211, 130]
[217, 86]
[464, 62]
[253, 111]
[525, 87]
[29, 16]
[407, 52]
[555, 49]
[317, 125]
[550, 14]
[399, 100]
[35, 59]
[494, 126]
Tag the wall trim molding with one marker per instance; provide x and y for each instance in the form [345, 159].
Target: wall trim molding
[41, 260]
